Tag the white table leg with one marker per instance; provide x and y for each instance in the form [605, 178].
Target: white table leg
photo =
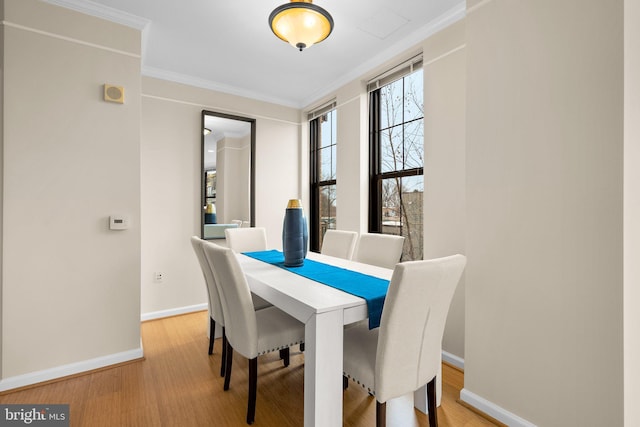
[400, 410]
[420, 395]
[323, 370]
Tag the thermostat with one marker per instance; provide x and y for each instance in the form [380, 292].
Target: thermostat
[118, 222]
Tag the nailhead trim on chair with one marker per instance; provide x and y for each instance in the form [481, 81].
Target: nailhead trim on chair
[371, 392]
[279, 348]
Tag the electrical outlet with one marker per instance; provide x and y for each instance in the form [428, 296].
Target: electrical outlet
[158, 277]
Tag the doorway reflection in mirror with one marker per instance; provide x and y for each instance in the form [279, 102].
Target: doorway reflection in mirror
[227, 171]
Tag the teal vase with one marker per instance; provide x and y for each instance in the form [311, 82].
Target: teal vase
[295, 235]
[210, 218]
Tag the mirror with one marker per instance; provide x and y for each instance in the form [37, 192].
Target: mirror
[228, 179]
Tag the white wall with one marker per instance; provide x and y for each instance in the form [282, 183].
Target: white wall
[70, 286]
[544, 210]
[170, 174]
[352, 158]
[444, 166]
[277, 169]
[170, 146]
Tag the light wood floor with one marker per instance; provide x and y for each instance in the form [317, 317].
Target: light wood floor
[179, 385]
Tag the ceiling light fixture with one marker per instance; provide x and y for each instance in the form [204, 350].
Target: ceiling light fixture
[206, 131]
[301, 23]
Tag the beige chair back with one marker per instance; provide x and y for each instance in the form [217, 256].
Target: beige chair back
[246, 239]
[241, 325]
[383, 250]
[215, 305]
[339, 243]
[413, 319]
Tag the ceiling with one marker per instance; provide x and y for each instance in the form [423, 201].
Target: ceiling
[227, 45]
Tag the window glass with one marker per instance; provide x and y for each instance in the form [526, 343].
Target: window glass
[327, 209]
[397, 150]
[391, 149]
[326, 130]
[413, 96]
[413, 144]
[391, 99]
[411, 215]
[323, 132]
[325, 163]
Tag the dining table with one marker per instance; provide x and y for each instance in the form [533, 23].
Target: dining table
[325, 311]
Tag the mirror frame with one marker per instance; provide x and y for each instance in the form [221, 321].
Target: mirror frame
[252, 179]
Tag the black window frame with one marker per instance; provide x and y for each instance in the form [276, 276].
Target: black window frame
[376, 176]
[316, 184]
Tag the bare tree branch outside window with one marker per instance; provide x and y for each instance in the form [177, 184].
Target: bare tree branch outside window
[401, 138]
[323, 183]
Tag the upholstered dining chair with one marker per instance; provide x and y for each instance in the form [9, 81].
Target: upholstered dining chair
[214, 301]
[339, 243]
[383, 250]
[248, 240]
[249, 332]
[403, 354]
[215, 305]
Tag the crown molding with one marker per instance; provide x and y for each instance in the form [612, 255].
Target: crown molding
[451, 16]
[477, 6]
[212, 85]
[100, 11]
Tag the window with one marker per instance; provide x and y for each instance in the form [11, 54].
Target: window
[396, 124]
[323, 176]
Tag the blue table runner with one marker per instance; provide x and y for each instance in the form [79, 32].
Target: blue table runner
[372, 289]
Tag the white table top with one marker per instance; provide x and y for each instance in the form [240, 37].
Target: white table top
[302, 297]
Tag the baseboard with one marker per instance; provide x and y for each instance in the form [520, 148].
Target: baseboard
[173, 312]
[70, 369]
[453, 360]
[493, 410]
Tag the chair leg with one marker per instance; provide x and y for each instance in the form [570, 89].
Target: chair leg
[284, 355]
[212, 333]
[381, 414]
[223, 362]
[302, 347]
[253, 386]
[345, 382]
[227, 370]
[431, 403]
